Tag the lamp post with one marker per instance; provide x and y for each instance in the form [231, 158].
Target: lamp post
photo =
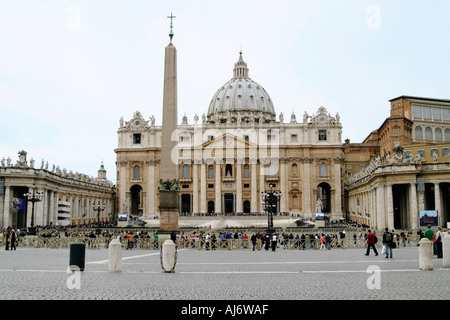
[270, 204]
[33, 197]
[99, 208]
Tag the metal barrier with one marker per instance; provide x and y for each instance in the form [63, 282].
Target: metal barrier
[150, 243]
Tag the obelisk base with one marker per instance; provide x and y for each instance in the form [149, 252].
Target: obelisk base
[168, 209]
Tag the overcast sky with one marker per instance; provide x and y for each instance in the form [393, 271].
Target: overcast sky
[69, 70]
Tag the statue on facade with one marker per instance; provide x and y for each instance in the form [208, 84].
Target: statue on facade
[305, 117]
[319, 206]
[22, 162]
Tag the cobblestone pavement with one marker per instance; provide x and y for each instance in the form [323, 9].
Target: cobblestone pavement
[343, 274]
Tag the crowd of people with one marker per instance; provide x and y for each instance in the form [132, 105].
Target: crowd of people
[209, 240]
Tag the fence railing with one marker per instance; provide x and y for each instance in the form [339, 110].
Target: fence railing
[307, 243]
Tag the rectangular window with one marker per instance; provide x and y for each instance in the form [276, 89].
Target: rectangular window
[293, 138]
[434, 151]
[445, 152]
[421, 153]
[436, 113]
[322, 135]
[136, 138]
[246, 171]
[210, 172]
[446, 114]
[426, 112]
[246, 185]
[416, 112]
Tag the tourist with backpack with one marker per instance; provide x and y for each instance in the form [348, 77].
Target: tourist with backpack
[388, 238]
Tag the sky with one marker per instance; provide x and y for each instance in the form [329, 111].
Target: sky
[69, 70]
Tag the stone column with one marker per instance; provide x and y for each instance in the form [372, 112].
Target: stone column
[337, 187]
[195, 186]
[218, 185]
[306, 187]
[262, 180]
[283, 185]
[123, 198]
[414, 211]
[151, 188]
[6, 207]
[254, 187]
[437, 202]
[203, 207]
[390, 207]
[381, 220]
[239, 163]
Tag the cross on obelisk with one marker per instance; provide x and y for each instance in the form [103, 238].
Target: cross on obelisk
[171, 26]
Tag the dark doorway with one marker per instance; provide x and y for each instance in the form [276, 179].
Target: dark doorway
[136, 200]
[185, 203]
[429, 196]
[210, 207]
[400, 203]
[246, 207]
[228, 203]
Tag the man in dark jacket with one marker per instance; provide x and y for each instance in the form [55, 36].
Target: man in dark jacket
[371, 243]
[388, 238]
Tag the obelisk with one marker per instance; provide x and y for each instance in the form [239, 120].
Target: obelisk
[169, 189]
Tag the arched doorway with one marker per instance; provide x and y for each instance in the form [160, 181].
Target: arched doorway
[324, 194]
[136, 192]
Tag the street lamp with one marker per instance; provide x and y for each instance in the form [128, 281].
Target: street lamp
[99, 208]
[270, 204]
[33, 197]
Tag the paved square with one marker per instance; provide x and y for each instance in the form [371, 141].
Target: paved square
[344, 274]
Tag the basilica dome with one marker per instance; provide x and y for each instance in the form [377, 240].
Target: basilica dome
[242, 98]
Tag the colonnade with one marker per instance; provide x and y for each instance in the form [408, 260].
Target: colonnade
[374, 204]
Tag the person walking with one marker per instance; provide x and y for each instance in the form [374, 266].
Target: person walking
[274, 242]
[387, 242]
[12, 237]
[371, 243]
[207, 237]
[439, 242]
[328, 241]
[253, 240]
[322, 243]
[7, 238]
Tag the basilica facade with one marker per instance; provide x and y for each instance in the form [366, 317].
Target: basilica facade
[238, 149]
